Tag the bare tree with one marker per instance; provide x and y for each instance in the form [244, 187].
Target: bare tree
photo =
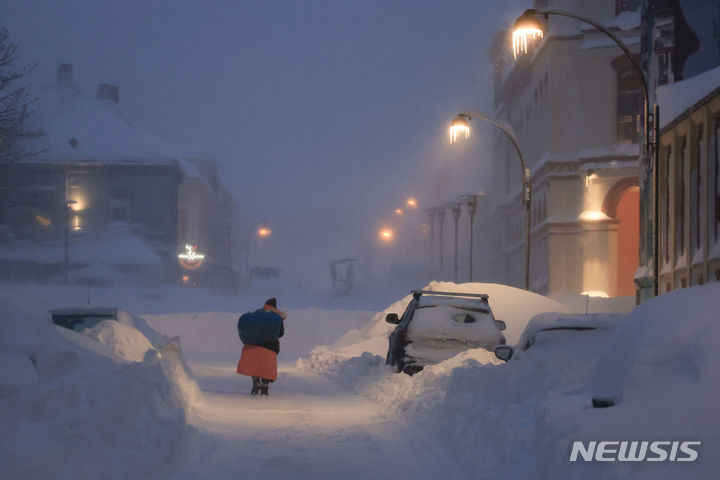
[15, 101]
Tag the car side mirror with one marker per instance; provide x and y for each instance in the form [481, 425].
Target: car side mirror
[503, 352]
[500, 324]
[392, 318]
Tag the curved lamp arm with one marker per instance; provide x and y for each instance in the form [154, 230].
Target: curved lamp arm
[616, 39]
[510, 133]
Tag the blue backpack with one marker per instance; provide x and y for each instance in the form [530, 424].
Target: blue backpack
[260, 326]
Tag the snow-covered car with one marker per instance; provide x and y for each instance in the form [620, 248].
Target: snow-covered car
[562, 331]
[127, 335]
[81, 318]
[437, 326]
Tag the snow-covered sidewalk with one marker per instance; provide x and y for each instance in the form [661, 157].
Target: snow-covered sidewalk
[308, 426]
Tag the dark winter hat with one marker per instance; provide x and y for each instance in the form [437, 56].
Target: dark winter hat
[272, 302]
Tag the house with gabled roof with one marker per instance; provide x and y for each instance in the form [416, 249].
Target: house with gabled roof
[96, 180]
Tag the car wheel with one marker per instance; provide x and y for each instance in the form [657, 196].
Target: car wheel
[412, 369]
[399, 365]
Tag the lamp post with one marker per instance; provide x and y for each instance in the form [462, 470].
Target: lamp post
[431, 218]
[461, 124]
[528, 25]
[262, 231]
[441, 219]
[471, 202]
[68, 206]
[455, 210]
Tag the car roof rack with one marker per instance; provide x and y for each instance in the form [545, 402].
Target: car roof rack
[418, 293]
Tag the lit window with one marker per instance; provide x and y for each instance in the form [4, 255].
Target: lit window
[628, 105]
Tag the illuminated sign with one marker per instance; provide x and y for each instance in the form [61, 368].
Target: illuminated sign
[191, 259]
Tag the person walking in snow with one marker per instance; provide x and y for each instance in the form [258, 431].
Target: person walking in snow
[260, 333]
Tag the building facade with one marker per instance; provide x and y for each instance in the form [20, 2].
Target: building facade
[103, 202]
[682, 58]
[207, 219]
[574, 103]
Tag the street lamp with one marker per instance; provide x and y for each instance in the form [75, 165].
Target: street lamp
[262, 231]
[68, 206]
[461, 124]
[440, 212]
[471, 202]
[386, 234]
[431, 218]
[528, 24]
[455, 210]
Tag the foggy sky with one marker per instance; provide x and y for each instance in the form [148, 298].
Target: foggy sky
[323, 115]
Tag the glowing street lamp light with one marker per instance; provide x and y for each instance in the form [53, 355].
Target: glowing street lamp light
[459, 126]
[386, 234]
[411, 202]
[528, 22]
[261, 231]
[527, 26]
[398, 211]
[464, 119]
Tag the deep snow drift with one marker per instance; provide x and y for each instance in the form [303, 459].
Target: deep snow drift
[92, 407]
[107, 404]
[519, 419]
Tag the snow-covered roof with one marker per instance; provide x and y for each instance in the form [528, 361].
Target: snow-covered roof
[676, 98]
[79, 126]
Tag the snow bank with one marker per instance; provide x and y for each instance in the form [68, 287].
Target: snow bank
[662, 366]
[125, 341]
[484, 408]
[70, 407]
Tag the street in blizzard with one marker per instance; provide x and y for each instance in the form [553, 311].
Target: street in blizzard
[337, 240]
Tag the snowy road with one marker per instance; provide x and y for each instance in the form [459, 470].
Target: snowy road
[307, 428]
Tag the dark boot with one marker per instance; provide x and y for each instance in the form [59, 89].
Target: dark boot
[264, 386]
[256, 386]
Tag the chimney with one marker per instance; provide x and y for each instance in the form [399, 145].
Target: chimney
[65, 75]
[107, 91]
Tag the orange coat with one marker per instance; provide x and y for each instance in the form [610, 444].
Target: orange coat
[258, 361]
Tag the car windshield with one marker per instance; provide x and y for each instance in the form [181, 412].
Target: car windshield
[471, 305]
[79, 322]
[557, 333]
